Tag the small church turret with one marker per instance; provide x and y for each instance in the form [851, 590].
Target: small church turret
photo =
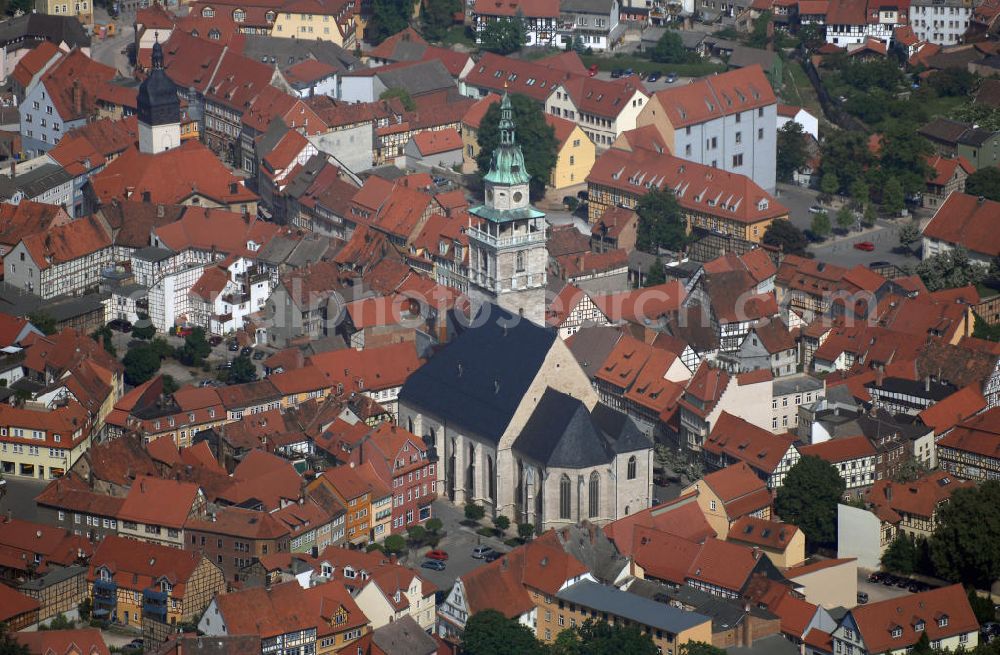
[158, 108]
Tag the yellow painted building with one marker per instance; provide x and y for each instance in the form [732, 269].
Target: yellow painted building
[42, 443]
[588, 600]
[576, 153]
[83, 10]
[338, 28]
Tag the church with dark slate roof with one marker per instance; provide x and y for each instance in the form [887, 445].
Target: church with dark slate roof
[518, 428]
[158, 109]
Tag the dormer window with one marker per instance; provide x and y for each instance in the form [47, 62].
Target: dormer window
[270, 16]
[942, 621]
[349, 572]
[105, 575]
[214, 34]
[208, 12]
[165, 586]
[896, 632]
[239, 15]
[762, 204]
[918, 626]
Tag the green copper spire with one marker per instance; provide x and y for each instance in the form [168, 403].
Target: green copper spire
[507, 163]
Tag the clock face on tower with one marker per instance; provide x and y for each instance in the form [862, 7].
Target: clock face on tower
[517, 196]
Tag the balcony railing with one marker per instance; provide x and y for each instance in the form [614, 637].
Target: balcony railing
[507, 241]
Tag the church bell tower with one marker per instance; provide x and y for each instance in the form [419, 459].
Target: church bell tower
[159, 109]
[508, 254]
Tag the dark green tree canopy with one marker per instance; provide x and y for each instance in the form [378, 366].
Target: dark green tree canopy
[438, 16]
[141, 364]
[661, 222]
[491, 633]
[808, 498]
[536, 138]
[195, 349]
[388, 18]
[600, 638]
[783, 234]
[242, 370]
[949, 270]
[504, 36]
[670, 49]
[985, 182]
[791, 150]
[965, 546]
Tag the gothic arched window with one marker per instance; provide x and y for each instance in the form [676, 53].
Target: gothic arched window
[564, 497]
[595, 495]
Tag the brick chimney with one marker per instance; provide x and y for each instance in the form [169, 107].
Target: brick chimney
[77, 97]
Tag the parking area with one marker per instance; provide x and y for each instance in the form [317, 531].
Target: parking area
[657, 85]
[458, 542]
[887, 586]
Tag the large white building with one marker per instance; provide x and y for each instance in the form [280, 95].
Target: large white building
[943, 22]
[540, 18]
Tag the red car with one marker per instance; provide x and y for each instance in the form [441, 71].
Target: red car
[439, 555]
[592, 71]
[867, 246]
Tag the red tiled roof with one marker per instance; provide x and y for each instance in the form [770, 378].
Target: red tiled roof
[710, 97]
[966, 220]
[748, 443]
[919, 498]
[949, 412]
[71, 82]
[603, 97]
[13, 603]
[433, 142]
[698, 187]
[840, 450]
[764, 533]
[216, 230]
[34, 61]
[642, 305]
[475, 113]
[681, 517]
[739, 488]
[137, 565]
[85, 641]
[372, 368]
[172, 176]
[876, 621]
[309, 71]
[68, 242]
[499, 74]
[526, 8]
[159, 502]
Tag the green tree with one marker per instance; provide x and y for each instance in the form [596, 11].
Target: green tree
[434, 525]
[504, 36]
[501, 523]
[948, 270]
[985, 182]
[759, 37]
[85, 608]
[43, 321]
[103, 334]
[141, 364]
[388, 18]
[982, 606]
[601, 638]
[402, 95]
[394, 544]
[808, 498]
[195, 349]
[783, 234]
[923, 646]
[656, 274]
[59, 622]
[845, 217]
[892, 197]
[169, 384]
[525, 531]
[869, 216]
[908, 234]
[965, 545]
[437, 17]
[903, 157]
[417, 534]
[829, 184]
[846, 155]
[491, 633]
[474, 512]
[901, 555]
[145, 332]
[242, 370]
[791, 150]
[536, 138]
[700, 648]
[860, 193]
[669, 49]
[820, 224]
[9, 644]
[661, 222]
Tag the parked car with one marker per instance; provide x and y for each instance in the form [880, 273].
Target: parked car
[234, 347]
[862, 598]
[817, 209]
[135, 644]
[671, 78]
[480, 552]
[492, 556]
[258, 355]
[214, 341]
[184, 331]
[224, 366]
[616, 73]
[433, 564]
[654, 76]
[437, 554]
[592, 71]
[627, 72]
[867, 246]
[246, 351]
[120, 325]
[875, 577]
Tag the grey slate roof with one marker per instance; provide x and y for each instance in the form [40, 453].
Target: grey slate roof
[724, 612]
[591, 345]
[57, 29]
[743, 56]
[795, 383]
[563, 433]
[309, 250]
[422, 77]
[35, 182]
[478, 380]
[404, 637]
[153, 254]
[602, 7]
[630, 606]
[18, 302]
[287, 52]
